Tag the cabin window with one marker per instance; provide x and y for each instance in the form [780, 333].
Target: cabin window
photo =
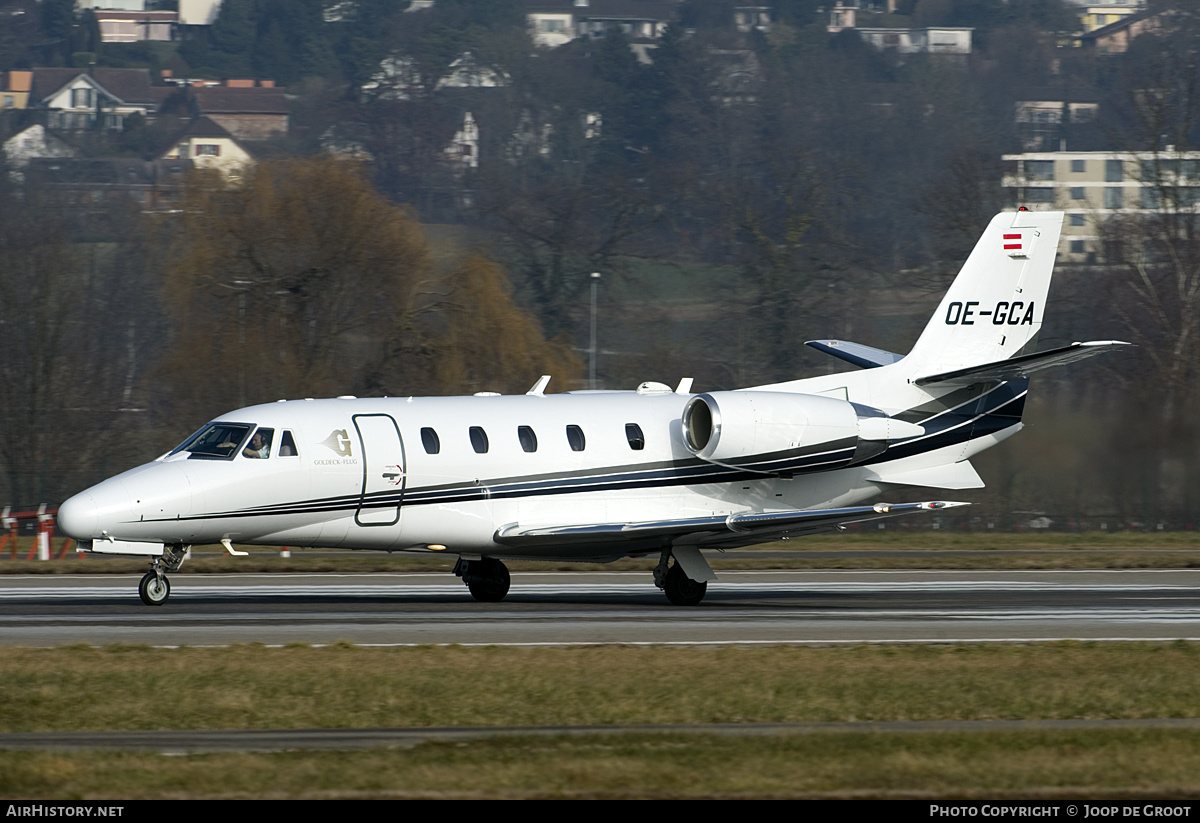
[259, 447]
[633, 433]
[431, 442]
[527, 437]
[287, 445]
[575, 438]
[479, 441]
[216, 441]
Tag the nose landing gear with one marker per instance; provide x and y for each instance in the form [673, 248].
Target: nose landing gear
[154, 588]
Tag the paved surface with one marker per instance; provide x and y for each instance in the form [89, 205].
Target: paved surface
[310, 739]
[805, 607]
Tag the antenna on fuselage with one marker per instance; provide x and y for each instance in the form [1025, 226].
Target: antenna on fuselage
[539, 388]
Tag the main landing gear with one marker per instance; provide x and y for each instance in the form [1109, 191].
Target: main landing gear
[682, 590]
[487, 578]
[679, 588]
[154, 588]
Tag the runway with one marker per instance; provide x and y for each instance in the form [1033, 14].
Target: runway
[555, 608]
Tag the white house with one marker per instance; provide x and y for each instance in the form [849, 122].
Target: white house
[463, 151]
[198, 12]
[75, 98]
[209, 146]
[31, 144]
[120, 26]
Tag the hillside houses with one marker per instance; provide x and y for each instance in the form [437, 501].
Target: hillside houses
[54, 114]
[73, 100]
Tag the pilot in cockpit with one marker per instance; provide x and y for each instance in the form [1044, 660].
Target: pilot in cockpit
[260, 445]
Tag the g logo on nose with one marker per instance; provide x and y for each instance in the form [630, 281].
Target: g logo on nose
[338, 442]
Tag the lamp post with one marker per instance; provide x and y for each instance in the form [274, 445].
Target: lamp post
[595, 277]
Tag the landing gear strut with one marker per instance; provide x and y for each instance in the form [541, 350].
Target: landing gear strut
[154, 588]
[487, 578]
[680, 589]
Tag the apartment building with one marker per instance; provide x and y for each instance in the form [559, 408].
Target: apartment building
[553, 23]
[1093, 186]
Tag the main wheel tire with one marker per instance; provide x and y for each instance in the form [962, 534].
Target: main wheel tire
[495, 587]
[682, 590]
[154, 590]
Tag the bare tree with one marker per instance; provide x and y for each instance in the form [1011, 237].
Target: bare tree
[69, 356]
[1155, 250]
[488, 342]
[286, 285]
[304, 281]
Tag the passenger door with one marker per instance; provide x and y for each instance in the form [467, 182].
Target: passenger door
[383, 470]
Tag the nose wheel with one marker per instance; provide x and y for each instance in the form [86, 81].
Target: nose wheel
[154, 588]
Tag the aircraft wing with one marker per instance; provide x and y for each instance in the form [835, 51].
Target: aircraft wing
[866, 357]
[728, 532]
[1017, 367]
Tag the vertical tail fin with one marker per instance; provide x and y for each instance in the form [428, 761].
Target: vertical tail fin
[993, 310]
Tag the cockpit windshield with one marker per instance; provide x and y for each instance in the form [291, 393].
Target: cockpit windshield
[216, 441]
[259, 447]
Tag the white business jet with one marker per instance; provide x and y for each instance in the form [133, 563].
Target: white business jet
[597, 476]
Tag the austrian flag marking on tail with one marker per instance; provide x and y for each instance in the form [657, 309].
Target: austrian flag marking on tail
[1012, 241]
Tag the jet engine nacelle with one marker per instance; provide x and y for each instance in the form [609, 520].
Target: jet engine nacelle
[732, 425]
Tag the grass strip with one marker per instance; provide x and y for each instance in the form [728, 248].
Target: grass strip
[1086, 764]
[344, 686]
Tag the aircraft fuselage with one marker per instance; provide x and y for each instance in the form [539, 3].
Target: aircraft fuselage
[404, 474]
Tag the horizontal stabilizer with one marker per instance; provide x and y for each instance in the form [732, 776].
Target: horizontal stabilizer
[1021, 366]
[737, 529]
[960, 475]
[862, 356]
